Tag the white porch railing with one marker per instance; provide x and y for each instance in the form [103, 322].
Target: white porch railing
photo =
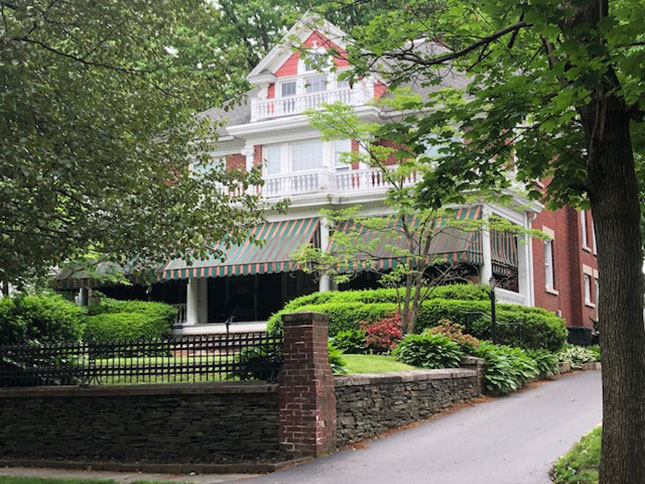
[509, 297]
[271, 108]
[298, 183]
[367, 179]
[181, 313]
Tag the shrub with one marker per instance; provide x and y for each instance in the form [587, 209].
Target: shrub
[128, 320]
[351, 341]
[259, 363]
[455, 332]
[40, 318]
[429, 351]
[338, 365]
[578, 355]
[383, 334]
[547, 363]
[125, 327]
[596, 351]
[507, 369]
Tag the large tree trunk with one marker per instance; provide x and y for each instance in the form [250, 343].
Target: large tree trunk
[614, 200]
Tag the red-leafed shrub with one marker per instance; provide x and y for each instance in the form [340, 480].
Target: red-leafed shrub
[383, 334]
[455, 332]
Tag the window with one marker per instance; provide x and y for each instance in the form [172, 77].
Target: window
[316, 84]
[340, 147]
[588, 290]
[593, 236]
[288, 89]
[597, 294]
[272, 156]
[306, 155]
[548, 265]
[342, 84]
[315, 62]
[583, 226]
[199, 169]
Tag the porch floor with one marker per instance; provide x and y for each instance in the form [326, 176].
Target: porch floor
[218, 328]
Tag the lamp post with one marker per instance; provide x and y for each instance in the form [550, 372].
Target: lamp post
[493, 316]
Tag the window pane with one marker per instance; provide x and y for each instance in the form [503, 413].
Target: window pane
[587, 288]
[288, 89]
[272, 154]
[583, 226]
[316, 84]
[306, 156]
[340, 147]
[548, 264]
[201, 169]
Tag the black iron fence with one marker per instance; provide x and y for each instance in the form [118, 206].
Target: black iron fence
[217, 357]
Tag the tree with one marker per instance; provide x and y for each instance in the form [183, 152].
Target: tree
[98, 134]
[406, 234]
[554, 88]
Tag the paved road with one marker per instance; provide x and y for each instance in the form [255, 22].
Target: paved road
[511, 440]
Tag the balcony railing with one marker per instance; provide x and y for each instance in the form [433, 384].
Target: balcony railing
[509, 297]
[287, 106]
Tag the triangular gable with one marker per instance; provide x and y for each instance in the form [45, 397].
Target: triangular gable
[290, 66]
[307, 30]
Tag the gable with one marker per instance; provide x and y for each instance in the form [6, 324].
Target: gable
[315, 39]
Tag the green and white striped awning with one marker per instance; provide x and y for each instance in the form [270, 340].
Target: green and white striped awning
[281, 239]
[503, 248]
[450, 243]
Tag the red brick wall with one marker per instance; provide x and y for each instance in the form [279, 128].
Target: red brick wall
[355, 148]
[257, 155]
[392, 160]
[236, 162]
[306, 387]
[568, 258]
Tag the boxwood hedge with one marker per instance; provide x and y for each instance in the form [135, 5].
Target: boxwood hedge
[532, 328]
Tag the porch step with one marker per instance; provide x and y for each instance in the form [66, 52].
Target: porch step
[219, 328]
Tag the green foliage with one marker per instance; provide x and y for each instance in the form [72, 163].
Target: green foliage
[429, 351]
[547, 363]
[351, 341]
[507, 369]
[578, 355]
[98, 116]
[580, 465]
[540, 329]
[596, 352]
[259, 363]
[127, 320]
[336, 361]
[40, 318]
[124, 327]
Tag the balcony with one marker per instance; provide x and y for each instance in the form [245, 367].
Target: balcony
[262, 109]
[326, 181]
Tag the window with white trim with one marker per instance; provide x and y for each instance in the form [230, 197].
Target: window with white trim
[587, 280]
[583, 226]
[307, 155]
[596, 287]
[199, 169]
[593, 236]
[549, 272]
[340, 147]
[272, 155]
[288, 89]
[316, 84]
[315, 61]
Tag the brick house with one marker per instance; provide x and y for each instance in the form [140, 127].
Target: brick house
[269, 128]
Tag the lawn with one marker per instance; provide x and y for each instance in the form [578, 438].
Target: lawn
[42, 480]
[374, 364]
[580, 465]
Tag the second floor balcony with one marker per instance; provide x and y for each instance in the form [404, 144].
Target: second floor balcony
[262, 109]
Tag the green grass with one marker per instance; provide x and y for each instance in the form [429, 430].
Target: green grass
[580, 465]
[374, 364]
[43, 480]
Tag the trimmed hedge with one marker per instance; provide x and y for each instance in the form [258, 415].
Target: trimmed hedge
[128, 320]
[464, 292]
[540, 329]
[43, 318]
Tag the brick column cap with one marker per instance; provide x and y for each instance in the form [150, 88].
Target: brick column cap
[310, 317]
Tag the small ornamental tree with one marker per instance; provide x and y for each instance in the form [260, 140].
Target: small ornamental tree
[405, 233]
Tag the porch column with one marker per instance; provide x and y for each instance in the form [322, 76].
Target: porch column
[83, 296]
[197, 302]
[486, 270]
[523, 269]
[324, 284]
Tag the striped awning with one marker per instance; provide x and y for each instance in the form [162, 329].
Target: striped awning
[280, 240]
[503, 248]
[449, 244]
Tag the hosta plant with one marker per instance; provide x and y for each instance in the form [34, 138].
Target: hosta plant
[429, 351]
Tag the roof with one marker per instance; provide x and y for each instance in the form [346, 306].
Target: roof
[233, 113]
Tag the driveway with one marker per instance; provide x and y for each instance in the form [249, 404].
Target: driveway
[510, 440]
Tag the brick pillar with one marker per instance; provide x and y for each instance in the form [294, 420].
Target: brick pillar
[306, 387]
[479, 365]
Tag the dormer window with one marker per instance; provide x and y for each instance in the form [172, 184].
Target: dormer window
[316, 84]
[315, 62]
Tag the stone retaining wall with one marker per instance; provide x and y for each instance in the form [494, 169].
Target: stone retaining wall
[369, 404]
[145, 423]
